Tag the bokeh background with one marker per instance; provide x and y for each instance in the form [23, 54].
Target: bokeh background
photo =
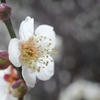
[77, 26]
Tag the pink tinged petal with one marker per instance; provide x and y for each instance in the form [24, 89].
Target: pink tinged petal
[47, 72]
[46, 31]
[14, 52]
[29, 76]
[26, 28]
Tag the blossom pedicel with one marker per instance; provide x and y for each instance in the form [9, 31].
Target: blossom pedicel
[33, 51]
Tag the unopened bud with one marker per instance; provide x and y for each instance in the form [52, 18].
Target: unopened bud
[5, 11]
[4, 60]
[19, 88]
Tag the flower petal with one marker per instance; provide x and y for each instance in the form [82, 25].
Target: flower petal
[3, 72]
[3, 85]
[14, 52]
[3, 95]
[11, 97]
[29, 76]
[26, 28]
[48, 71]
[48, 32]
[6, 96]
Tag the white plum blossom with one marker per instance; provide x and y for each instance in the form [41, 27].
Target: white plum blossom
[81, 89]
[33, 51]
[4, 87]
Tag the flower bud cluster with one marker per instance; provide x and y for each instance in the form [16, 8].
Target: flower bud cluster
[19, 88]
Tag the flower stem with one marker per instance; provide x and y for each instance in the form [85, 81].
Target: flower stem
[12, 34]
[9, 25]
[20, 98]
[19, 72]
[10, 28]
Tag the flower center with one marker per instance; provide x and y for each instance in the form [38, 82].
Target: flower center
[33, 49]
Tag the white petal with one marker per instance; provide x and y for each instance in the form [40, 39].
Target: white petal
[6, 96]
[3, 84]
[2, 73]
[26, 28]
[47, 72]
[47, 31]
[5, 71]
[11, 97]
[14, 52]
[3, 95]
[29, 76]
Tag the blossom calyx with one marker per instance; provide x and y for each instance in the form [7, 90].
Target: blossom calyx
[5, 11]
[19, 88]
[4, 60]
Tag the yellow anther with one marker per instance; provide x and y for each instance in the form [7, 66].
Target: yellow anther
[47, 63]
[38, 69]
[51, 60]
[36, 48]
[47, 56]
[45, 37]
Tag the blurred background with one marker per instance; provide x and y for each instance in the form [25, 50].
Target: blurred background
[77, 26]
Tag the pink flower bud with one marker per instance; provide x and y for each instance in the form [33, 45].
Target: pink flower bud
[5, 11]
[19, 88]
[4, 60]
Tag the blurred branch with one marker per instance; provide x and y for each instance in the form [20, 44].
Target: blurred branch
[78, 6]
[12, 34]
[3, 1]
[20, 98]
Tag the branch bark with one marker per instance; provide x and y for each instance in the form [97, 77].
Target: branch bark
[22, 98]
[3, 1]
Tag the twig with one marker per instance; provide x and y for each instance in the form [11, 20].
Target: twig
[3, 1]
[22, 98]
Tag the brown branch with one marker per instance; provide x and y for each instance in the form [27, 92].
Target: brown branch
[3, 1]
[22, 98]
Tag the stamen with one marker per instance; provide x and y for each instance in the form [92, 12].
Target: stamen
[36, 48]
